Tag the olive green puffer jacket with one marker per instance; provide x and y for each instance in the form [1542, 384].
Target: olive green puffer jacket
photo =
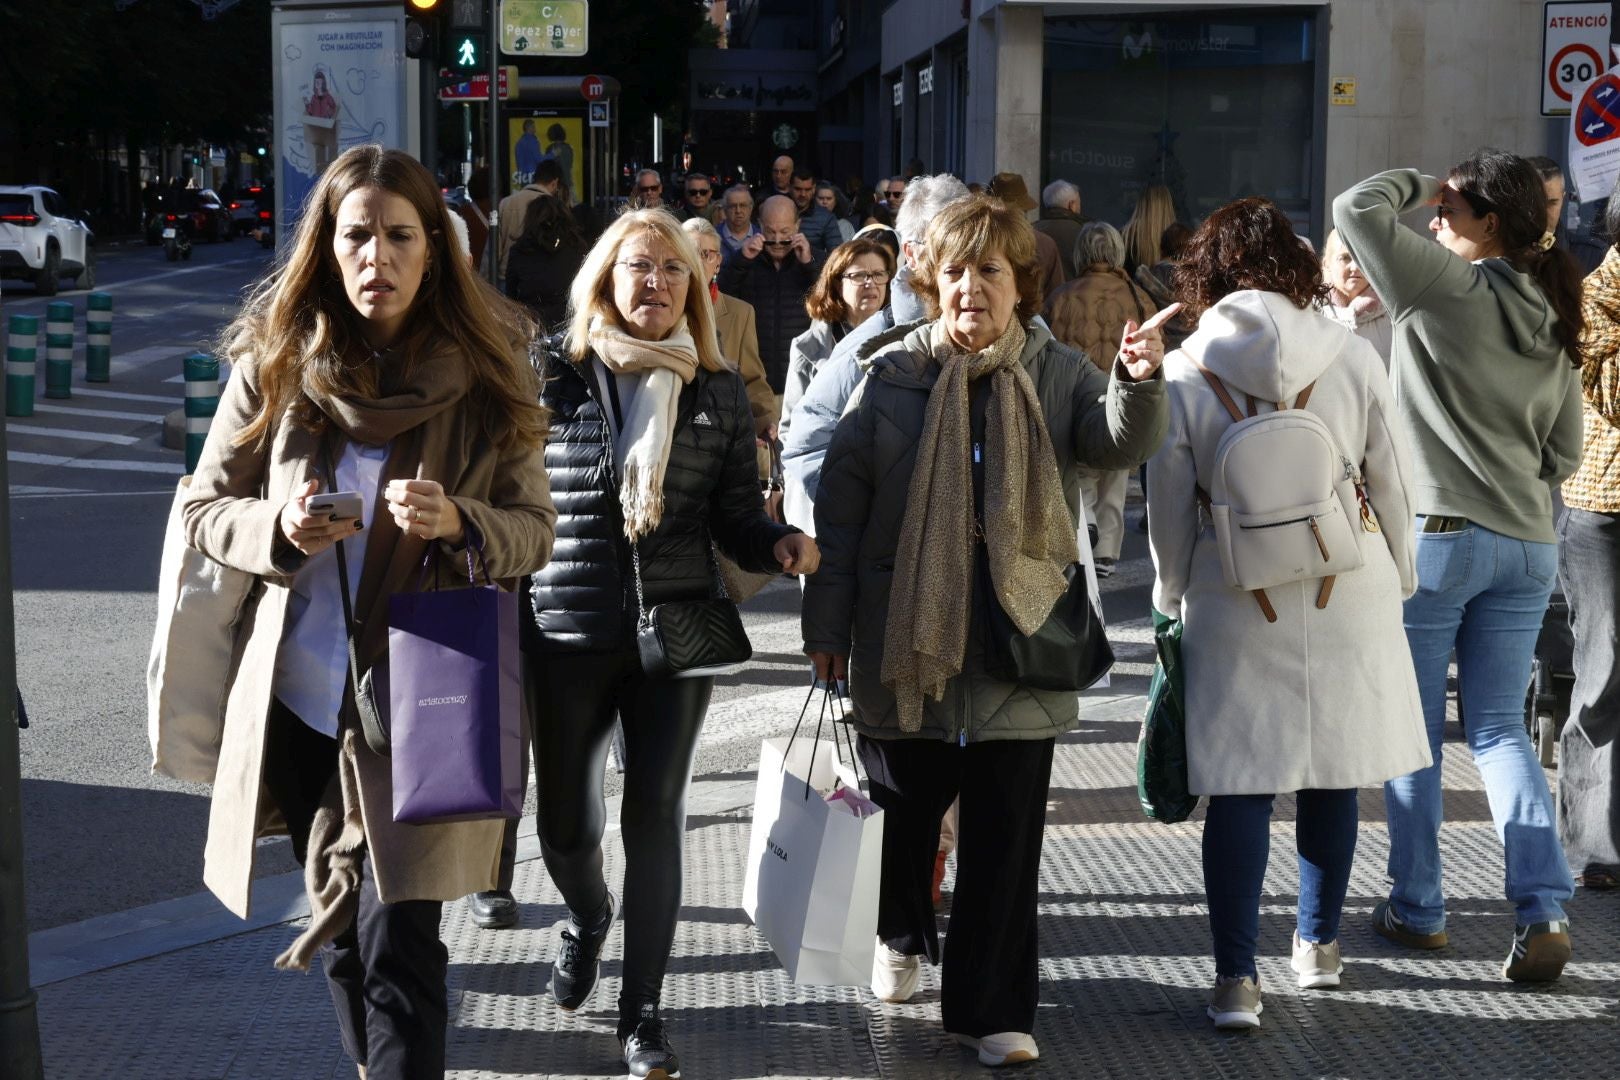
[1095, 420]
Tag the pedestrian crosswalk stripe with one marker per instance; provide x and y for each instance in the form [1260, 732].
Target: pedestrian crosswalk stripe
[96, 414]
[64, 433]
[166, 468]
[125, 395]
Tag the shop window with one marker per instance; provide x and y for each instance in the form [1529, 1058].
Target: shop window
[1215, 107]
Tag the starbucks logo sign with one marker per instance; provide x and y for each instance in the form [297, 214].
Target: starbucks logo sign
[785, 137]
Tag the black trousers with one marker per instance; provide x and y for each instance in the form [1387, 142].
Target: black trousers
[991, 972]
[577, 697]
[387, 971]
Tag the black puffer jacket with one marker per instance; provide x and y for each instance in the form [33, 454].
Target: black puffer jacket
[585, 598]
[777, 293]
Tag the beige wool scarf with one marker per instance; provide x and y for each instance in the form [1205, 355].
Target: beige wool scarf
[641, 451]
[1029, 536]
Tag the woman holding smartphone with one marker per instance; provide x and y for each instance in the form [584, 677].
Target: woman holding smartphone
[381, 414]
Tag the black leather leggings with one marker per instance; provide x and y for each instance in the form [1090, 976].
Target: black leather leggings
[576, 700]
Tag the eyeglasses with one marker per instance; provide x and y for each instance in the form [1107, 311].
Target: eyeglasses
[644, 268]
[895, 196]
[745, 207]
[710, 253]
[867, 277]
[778, 241]
[648, 190]
[696, 191]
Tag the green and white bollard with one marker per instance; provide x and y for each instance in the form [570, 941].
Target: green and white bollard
[202, 400]
[22, 348]
[59, 350]
[98, 338]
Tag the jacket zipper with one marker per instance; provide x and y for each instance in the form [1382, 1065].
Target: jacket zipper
[1321, 544]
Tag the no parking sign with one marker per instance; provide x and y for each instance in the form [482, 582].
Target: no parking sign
[1574, 51]
[1594, 137]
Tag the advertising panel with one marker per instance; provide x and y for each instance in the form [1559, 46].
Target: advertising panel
[339, 82]
[530, 138]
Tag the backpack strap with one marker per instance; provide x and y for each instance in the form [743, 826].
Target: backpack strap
[1304, 396]
[1219, 388]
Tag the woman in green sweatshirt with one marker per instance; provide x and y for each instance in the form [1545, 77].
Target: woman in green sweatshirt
[1485, 368]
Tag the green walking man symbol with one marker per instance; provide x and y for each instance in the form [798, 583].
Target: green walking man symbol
[468, 56]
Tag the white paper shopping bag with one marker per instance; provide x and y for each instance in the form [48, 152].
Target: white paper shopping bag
[813, 864]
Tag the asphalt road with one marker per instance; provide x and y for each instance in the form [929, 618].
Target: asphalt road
[90, 490]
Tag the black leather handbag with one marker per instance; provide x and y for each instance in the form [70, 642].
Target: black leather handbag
[1069, 651]
[687, 639]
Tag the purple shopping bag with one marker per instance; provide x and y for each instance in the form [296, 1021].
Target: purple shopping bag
[455, 698]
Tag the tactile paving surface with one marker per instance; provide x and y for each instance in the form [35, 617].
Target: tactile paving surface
[1125, 974]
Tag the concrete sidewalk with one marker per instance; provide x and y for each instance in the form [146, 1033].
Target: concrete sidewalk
[183, 991]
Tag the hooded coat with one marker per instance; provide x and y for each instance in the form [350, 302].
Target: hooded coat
[1322, 698]
[1094, 420]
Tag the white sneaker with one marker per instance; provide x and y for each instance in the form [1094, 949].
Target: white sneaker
[1002, 1048]
[894, 975]
[1317, 963]
[1235, 1005]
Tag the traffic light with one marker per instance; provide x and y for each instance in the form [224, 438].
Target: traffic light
[464, 51]
[422, 18]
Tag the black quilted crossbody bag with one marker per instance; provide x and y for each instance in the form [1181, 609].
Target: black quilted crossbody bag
[686, 639]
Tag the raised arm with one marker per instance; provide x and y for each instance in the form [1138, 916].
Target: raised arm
[1401, 265]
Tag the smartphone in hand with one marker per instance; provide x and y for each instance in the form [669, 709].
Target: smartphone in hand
[341, 505]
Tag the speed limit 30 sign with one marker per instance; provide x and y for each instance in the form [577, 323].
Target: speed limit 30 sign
[1574, 51]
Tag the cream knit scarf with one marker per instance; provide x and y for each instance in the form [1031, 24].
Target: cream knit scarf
[1027, 529]
[641, 452]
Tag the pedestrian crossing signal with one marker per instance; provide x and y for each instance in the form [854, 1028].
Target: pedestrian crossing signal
[465, 52]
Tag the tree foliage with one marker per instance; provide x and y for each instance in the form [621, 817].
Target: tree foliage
[78, 71]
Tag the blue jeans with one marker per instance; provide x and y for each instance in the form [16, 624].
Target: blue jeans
[1237, 841]
[1484, 595]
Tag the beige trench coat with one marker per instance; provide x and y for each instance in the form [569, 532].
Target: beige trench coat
[231, 515]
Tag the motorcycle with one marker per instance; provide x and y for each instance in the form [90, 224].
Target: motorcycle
[176, 238]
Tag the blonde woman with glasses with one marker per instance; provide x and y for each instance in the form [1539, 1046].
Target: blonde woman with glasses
[652, 456]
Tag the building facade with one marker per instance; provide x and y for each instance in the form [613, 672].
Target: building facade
[1294, 101]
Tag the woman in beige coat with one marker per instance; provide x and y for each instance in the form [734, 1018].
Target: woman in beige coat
[1322, 700]
[376, 358]
[1089, 313]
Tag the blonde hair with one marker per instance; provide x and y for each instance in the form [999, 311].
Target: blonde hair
[304, 334]
[1155, 210]
[592, 291]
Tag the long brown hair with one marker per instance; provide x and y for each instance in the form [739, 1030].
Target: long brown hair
[300, 329]
[1494, 181]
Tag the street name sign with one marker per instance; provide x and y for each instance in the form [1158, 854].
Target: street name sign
[545, 27]
[1574, 51]
[476, 87]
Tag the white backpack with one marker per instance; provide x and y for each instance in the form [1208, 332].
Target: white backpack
[1283, 498]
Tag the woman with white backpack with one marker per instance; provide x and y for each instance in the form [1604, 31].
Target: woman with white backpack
[1267, 493]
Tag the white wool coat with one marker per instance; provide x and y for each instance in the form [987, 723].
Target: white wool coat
[1321, 698]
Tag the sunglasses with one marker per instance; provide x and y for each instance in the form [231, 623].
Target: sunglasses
[648, 190]
[696, 191]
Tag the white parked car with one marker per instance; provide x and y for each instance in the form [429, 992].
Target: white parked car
[42, 239]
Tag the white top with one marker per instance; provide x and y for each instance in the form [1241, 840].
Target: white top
[313, 662]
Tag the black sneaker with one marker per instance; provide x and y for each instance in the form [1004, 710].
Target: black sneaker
[579, 959]
[647, 1053]
[1539, 952]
